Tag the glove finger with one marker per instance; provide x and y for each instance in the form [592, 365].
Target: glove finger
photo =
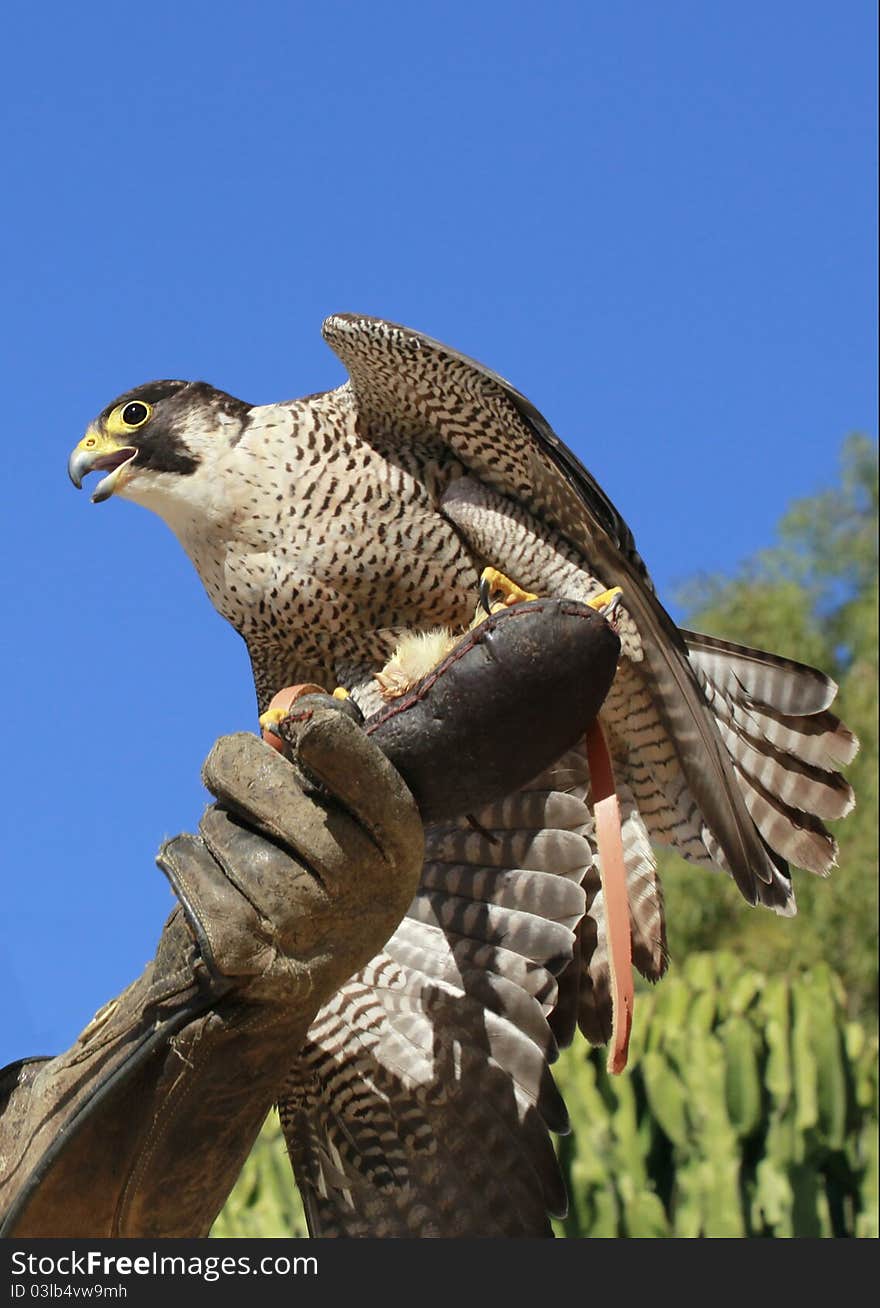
[210, 903]
[359, 823]
[280, 888]
[333, 748]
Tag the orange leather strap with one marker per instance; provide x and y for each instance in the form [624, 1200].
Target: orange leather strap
[613, 875]
[284, 700]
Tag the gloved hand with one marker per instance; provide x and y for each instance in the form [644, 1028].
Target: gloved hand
[298, 877]
[303, 866]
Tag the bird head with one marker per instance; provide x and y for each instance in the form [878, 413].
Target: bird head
[154, 442]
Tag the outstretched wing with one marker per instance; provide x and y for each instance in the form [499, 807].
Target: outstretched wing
[407, 387]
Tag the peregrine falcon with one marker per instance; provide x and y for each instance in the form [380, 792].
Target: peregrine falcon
[323, 528]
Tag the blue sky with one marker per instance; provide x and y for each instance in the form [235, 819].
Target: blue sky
[656, 219]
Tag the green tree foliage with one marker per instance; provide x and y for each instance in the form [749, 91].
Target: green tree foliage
[812, 597]
[265, 1202]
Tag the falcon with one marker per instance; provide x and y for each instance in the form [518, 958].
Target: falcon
[323, 529]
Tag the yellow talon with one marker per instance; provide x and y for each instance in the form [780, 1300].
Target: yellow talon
[272, 717]
[493, 582]
[279, 708]
[599, 602]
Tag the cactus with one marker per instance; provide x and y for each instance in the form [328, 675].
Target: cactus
[759, 1109]
[742, 1080]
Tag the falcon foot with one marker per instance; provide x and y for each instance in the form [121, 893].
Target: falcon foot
[607, 604]
[499, 592]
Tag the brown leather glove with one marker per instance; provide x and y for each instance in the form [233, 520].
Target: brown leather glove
[292, 885]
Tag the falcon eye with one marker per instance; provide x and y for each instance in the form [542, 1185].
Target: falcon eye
[135, 414]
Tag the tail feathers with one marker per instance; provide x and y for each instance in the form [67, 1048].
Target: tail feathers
[820, 739]
[772, 714]
[798, 784]
[800, 838]
[750, 674]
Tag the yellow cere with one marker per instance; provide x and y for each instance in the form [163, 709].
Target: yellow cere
[99, 442]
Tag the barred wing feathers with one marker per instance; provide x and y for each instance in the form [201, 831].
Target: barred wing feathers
[423, 1101]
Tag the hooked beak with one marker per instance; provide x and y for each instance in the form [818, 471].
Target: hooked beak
[97, 452]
